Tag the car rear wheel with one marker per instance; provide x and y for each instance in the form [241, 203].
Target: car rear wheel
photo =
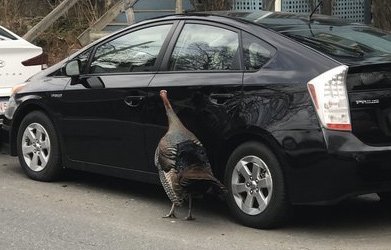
[38, 147]
[256, 189]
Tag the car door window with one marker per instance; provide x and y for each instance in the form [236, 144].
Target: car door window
[256, 53]
[134, 52]
[205, 47]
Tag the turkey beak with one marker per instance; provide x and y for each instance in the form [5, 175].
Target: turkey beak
[163, 95]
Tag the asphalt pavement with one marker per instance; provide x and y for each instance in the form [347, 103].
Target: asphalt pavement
[88, 211]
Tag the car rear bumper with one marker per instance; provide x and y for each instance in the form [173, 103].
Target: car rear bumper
[328, 166]
[4, 141]
[4, 137]
[3, 105]
[1, 128]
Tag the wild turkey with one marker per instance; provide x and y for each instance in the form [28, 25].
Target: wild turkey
[183, 165]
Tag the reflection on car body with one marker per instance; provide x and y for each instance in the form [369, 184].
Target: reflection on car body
[290, 110]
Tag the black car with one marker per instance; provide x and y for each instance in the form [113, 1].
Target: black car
[291, 109]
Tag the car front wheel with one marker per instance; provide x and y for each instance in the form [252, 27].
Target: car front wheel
[256, 189]
[38, 147]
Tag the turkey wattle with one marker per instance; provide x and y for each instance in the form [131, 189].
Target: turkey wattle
[183, 165]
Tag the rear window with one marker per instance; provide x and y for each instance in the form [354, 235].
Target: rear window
[4, 35]
[353, 41]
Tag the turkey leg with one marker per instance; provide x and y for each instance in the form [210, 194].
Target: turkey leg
[171, 214]
[189, 216]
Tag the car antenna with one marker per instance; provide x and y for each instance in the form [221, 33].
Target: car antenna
[316, 8]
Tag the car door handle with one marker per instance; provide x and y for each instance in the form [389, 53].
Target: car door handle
[133, 101]
[220, 98]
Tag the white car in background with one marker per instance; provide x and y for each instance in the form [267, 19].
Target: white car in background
[19, 60]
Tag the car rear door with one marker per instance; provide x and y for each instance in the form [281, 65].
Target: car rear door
[202, 73]
[103, 110]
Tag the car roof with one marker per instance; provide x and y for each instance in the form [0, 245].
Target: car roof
[263, 18]
[283, 18]
[203, 16]
[291, 23]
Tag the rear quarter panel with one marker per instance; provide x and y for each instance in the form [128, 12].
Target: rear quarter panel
[276, 97]
[276, 103]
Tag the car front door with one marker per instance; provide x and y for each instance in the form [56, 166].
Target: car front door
[202, 73]
[103, 110]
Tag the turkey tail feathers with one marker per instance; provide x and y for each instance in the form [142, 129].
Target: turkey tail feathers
[199, 179]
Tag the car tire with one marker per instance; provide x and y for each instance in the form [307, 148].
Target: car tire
[256, 190]
[38, 147]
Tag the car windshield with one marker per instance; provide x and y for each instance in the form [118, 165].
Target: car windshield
[331, 35]
[345, 41]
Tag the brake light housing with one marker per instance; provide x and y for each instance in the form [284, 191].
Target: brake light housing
[329, 95]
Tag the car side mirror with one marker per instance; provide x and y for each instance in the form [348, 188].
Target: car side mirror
[72, 68]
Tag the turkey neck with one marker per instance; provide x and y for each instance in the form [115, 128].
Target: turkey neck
[173, 120]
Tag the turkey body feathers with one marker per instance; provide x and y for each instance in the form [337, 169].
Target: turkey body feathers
[182, 161]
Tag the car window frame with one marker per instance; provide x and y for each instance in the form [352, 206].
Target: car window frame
[159, 57]
[170, 49]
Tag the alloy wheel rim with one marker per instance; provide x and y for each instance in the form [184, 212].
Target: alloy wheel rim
[36, 147]
[252, 185]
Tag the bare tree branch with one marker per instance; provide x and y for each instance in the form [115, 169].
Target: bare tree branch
[381, 11]
[206, 5]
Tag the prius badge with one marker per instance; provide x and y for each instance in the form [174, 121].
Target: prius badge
[367, 102]
[56, 95]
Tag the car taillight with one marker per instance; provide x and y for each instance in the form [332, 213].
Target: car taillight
[329, 94]
[42, 59]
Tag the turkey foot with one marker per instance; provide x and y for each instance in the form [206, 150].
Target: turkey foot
[171, 214]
